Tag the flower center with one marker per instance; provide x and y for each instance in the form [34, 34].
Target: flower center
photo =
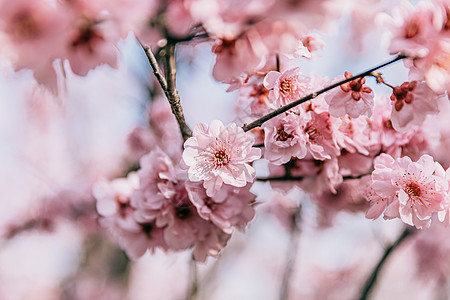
[287, 86]
[413, 190]
[221, 158]
[356, 87]
[412, 28]
[283, 135]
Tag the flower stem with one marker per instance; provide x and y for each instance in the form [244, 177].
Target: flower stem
[370, 283]
[287, 107]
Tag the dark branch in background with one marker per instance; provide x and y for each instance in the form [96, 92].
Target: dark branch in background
[370, 283]
[287, 107]
[168, 84]
[292, 253]
[300, 178]
[193, 289]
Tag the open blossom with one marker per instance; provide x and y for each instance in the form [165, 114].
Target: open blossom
[117, 216]
[284, 139]
[352, 98]
[287, 87]
[230, 207]
[412, 101]
[412, 189]
[218, 154]
[412, 30]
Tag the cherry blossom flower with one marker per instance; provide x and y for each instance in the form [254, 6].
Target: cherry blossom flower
[352, 98]
[163, 200]
[284, 139]
[230, 207]
[117, 216]
[321, 142]
[157, 177]
[411, 29]
[287, 87]
[413, 189]
[218, 154]
[412, 101]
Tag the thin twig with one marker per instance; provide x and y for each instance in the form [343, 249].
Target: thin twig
[292, 254]
[370, 283]
[155, 67]
[287, 107]
[168, 85]
[300, 178]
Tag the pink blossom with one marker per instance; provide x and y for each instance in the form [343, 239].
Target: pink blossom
[284, 139]
[157, 176]
[31, 33]
[434, 67]
[117, 216]
[237, 56]
[287, 87]
[321, 142]
[230, 207]
[412, 30]
[377, 204]
[412, 101]
[218, 154]
[412, 188]
[352, 98]
[163, 200]
[353, 134]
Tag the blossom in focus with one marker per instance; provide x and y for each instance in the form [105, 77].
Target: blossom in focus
[287, 87]
[284, 139]
[352, 98]
[218, 154]
[413, 189]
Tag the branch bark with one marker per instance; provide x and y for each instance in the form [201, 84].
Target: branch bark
[168, 84]
[287, 107]
[370, 283]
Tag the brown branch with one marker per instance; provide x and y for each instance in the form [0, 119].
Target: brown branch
[300, 178]
[155, 67]
[287, 107]
[168, 84]
[370, 283]
[292, 254]
[193, 289]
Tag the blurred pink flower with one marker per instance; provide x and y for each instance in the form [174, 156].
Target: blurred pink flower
[117, 216]
[352, 98]
[218, 154]
[412, 101]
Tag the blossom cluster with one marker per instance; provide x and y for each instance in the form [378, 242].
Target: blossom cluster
[164, 206]
[410, 191]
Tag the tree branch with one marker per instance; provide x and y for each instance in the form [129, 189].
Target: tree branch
[172, 93]
[292, 254]
[193, 289]
[370, 283]
[168, 84]
[287, 107]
